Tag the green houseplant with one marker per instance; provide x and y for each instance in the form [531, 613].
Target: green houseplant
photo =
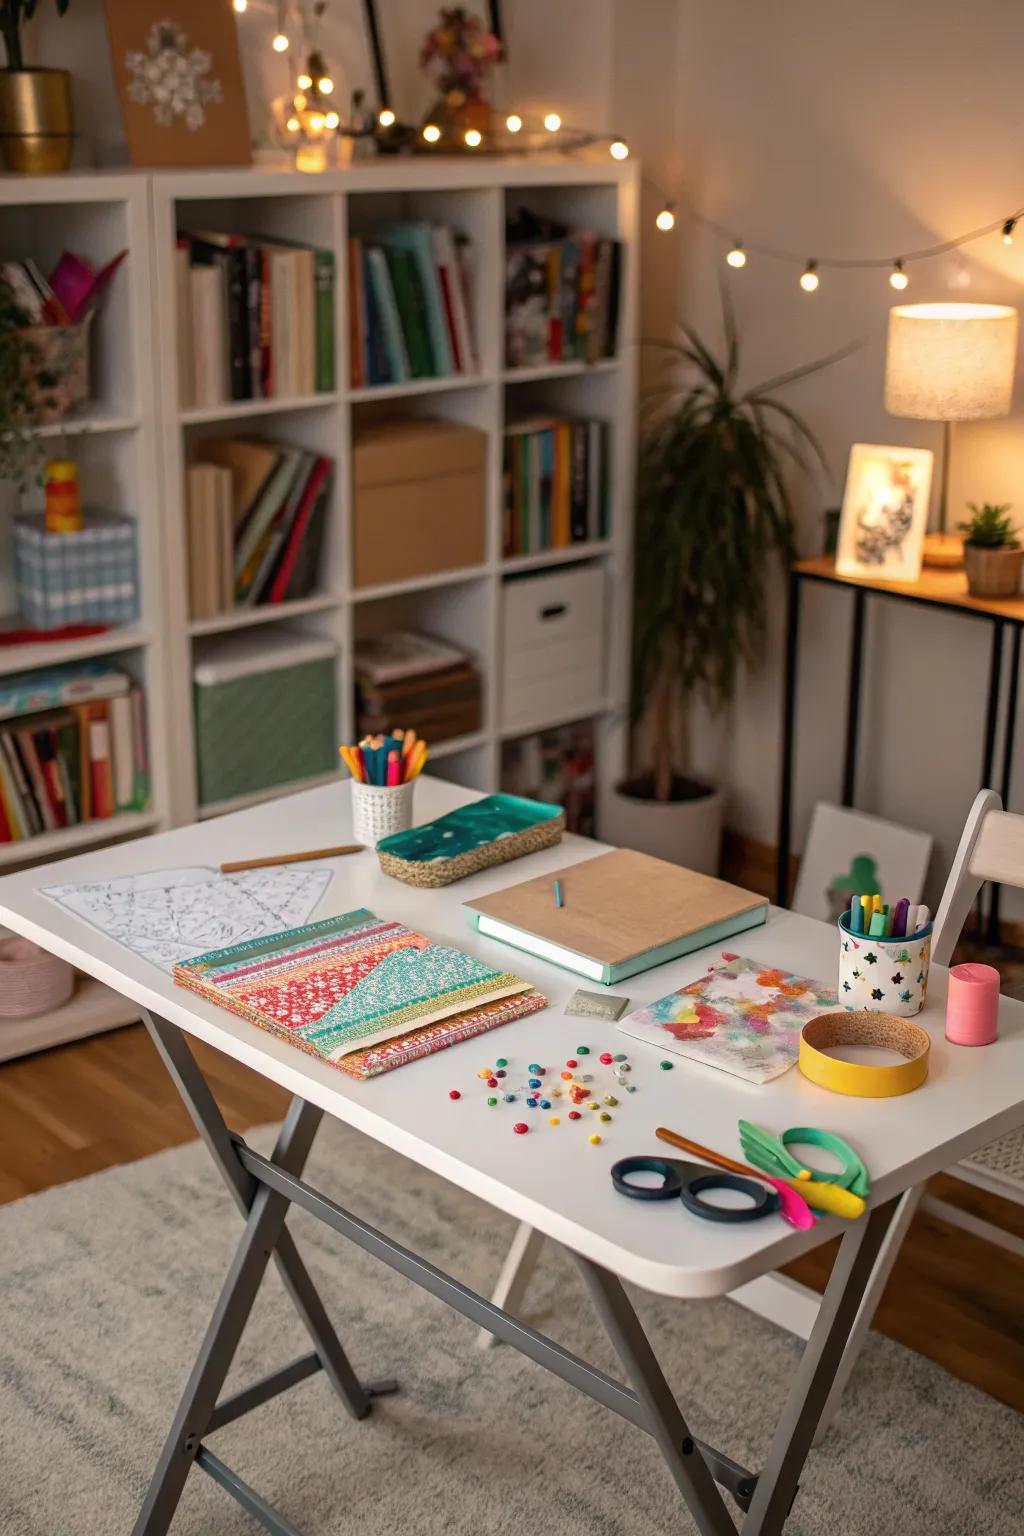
[36, 130]
[713, 514]
[992, 552]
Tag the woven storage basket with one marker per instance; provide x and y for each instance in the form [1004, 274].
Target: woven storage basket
[31, 981]
[379, 810]
[532, 826]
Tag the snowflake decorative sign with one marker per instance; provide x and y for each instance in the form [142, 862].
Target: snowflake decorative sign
[172, 78]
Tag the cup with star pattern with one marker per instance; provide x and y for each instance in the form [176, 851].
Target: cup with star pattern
[884, 975]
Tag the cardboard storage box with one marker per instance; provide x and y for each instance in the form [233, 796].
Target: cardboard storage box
[418, 499]
[264, 712]
[552, 647]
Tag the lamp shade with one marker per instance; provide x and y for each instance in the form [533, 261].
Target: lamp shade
[950, 362]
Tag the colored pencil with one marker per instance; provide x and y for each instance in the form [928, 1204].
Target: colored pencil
[238, 865]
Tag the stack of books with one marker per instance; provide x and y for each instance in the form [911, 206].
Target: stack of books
[256, 518]
[88, 577]
[561, 299]
[255, 319]
[554, 484]
[418, 682]
[72, 749]
[557, 767]
[410, 307]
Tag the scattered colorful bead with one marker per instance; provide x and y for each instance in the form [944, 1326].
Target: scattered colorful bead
[592, 1104]
[485, 1073]
[620, 1057]
[595, 1141]
[554, 1120]
[453, 1093]
[572, 1062]
[501, 1072]
[534, 1082]
[583, 1050]
[501, 1062]
[610, 1098]
[606, 1057]
[666, 1066]
[574, 1114]
[520, 1127]
[533, 1067]
[604, 1115]
[510, 1098]
[492, 1102]
[545, 1103]
[492, 1082]
[531, 1103]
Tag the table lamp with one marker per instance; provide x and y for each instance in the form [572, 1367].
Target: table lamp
[949, 362]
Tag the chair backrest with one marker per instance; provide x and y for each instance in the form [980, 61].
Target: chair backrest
[991, 848]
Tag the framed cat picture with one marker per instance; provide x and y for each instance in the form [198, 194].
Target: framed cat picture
[885, 512]
[179, 78]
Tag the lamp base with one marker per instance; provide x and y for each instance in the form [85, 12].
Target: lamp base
[943, 551]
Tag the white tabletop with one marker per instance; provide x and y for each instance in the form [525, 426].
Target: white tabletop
[551, 1177]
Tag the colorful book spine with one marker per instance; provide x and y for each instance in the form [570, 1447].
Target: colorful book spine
[324, 320]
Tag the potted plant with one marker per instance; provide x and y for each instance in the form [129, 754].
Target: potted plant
[458, 53]
[36, 129]
[712, 515]
[992, 551]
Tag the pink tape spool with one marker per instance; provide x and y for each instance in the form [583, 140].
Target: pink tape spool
[972, 1004]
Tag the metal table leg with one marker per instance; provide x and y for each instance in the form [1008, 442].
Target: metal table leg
[788, 734]
[853, 697]
[1009, 731]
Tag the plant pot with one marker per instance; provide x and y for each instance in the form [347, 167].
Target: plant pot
[993, 572]
[685, 831]
[36, 130]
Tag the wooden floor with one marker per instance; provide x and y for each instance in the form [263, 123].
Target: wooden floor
[80, 1108]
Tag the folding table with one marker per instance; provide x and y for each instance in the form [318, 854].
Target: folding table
[552, 1178]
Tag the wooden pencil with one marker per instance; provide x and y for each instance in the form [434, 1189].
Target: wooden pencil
[290, 858]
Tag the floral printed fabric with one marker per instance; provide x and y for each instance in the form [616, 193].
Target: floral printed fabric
[354, 982]
[743, 1017]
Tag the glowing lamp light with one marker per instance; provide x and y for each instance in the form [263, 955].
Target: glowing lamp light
[431, 132]
[325, 85]
[513, 122]
[304, 82]
[897, 277]
[386, 117]
[332, 120]
[473, 137]
[666, 218]
[279, 43]
[618, 150]
[809, 277]
[552, 122]
[737, 256]
[316, 122]
[293, 125]
[241, 6]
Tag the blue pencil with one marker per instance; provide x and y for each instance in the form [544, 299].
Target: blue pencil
[558, 894]
[855, 915]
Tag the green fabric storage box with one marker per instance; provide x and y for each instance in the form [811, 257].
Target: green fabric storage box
[264, 709]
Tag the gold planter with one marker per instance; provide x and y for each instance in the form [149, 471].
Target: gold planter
[36, 131]
[993, 572]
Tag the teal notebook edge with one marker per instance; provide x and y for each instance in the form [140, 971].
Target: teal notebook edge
[611, 975]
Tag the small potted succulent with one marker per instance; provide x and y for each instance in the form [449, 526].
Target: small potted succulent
[992, 551]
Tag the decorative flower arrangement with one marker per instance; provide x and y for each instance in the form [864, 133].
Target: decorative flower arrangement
[458, 54]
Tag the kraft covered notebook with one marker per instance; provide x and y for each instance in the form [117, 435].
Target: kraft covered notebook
[358, 991]
[743, 1017]
[622, 913]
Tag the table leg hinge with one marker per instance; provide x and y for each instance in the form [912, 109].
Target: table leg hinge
[726, 1472]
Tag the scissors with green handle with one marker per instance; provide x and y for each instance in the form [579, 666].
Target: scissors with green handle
[842, 1191]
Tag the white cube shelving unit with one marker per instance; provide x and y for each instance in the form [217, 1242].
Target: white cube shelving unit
[142, 439]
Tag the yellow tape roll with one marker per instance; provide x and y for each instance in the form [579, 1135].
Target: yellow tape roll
[853, 1077]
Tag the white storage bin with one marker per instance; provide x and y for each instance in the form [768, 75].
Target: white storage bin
[553, 647]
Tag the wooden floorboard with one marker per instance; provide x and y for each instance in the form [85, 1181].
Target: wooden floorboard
[98, 1103]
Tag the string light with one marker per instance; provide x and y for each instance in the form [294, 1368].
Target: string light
[241, 6]
[809, 277]
[279, 43]
[618, 150]
[552, 122]
[667, 217]
[1008, 229]
[316, 122]
[736, 256]
[431, 132]
[386, 117]
[473, 137]
[293, 125]
[513, 122]
[304, 82]
[325, 85]
[332, 120]
[897, 277]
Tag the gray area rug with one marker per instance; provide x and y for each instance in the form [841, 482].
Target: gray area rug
[106, 1286]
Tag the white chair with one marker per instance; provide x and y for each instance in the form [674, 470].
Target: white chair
[991, 848]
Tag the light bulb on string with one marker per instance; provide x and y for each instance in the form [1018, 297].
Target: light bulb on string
[618, 149]
[736, 256]
[386, 117]
[431, 132]
[1008, 229]
[279, 43]
[513, 122]
[552, 122]
[666, 218]
[241, 6]
[809, 277]
[293, 125]
[897, 277]
[325, 85]
[332, 120]
[473, 137]
[304, 81]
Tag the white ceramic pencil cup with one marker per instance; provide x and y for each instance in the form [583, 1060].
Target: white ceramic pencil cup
[378, 810]
[883, 975]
